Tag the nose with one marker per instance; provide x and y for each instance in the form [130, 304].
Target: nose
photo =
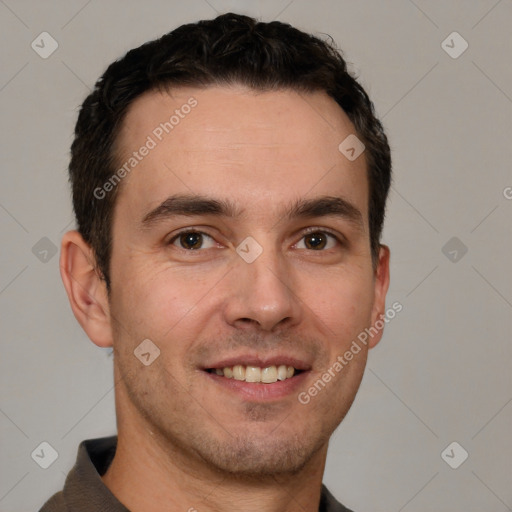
[261, 294]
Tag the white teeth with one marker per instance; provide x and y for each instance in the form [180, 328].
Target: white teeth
[269, 374]
[282, 372]
[252, 374]
[266, 375]
[239, 372]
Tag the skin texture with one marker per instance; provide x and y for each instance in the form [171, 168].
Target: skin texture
[184, 439]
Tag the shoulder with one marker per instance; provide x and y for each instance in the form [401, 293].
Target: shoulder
[329, 503]
[55, 504]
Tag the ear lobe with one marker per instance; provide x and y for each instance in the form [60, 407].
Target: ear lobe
[380, 291]
[86, 291]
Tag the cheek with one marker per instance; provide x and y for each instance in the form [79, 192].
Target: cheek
[342, 302]
[156, 302]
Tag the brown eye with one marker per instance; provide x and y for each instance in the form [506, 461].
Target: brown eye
[192, 240]
[317, 241]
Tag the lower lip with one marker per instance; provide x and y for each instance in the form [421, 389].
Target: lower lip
[258, 391]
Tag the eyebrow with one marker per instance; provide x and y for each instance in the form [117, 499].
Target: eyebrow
[196, 205]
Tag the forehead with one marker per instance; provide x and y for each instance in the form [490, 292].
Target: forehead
[255, 147]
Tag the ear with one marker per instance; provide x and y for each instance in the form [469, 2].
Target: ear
[381, 285]
[86, 290]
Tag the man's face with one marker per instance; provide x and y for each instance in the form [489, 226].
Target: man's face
[240, 164]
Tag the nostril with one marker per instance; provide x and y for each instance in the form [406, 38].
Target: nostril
[248, 321]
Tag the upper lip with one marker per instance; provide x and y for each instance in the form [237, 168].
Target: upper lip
[261, 361]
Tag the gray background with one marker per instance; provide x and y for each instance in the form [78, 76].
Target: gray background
[441, 372]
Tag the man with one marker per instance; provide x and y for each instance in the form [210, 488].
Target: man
[229, 184]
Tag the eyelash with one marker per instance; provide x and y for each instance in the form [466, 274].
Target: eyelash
[308, 231]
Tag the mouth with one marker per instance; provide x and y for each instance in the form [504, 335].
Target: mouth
[259, 379]
[257, 374]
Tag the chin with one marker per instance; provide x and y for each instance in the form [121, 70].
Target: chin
[249, 457]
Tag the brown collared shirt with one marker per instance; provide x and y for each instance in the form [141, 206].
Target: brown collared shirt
[84, 490]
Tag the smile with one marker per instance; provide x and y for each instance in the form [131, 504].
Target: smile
[266, 375]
